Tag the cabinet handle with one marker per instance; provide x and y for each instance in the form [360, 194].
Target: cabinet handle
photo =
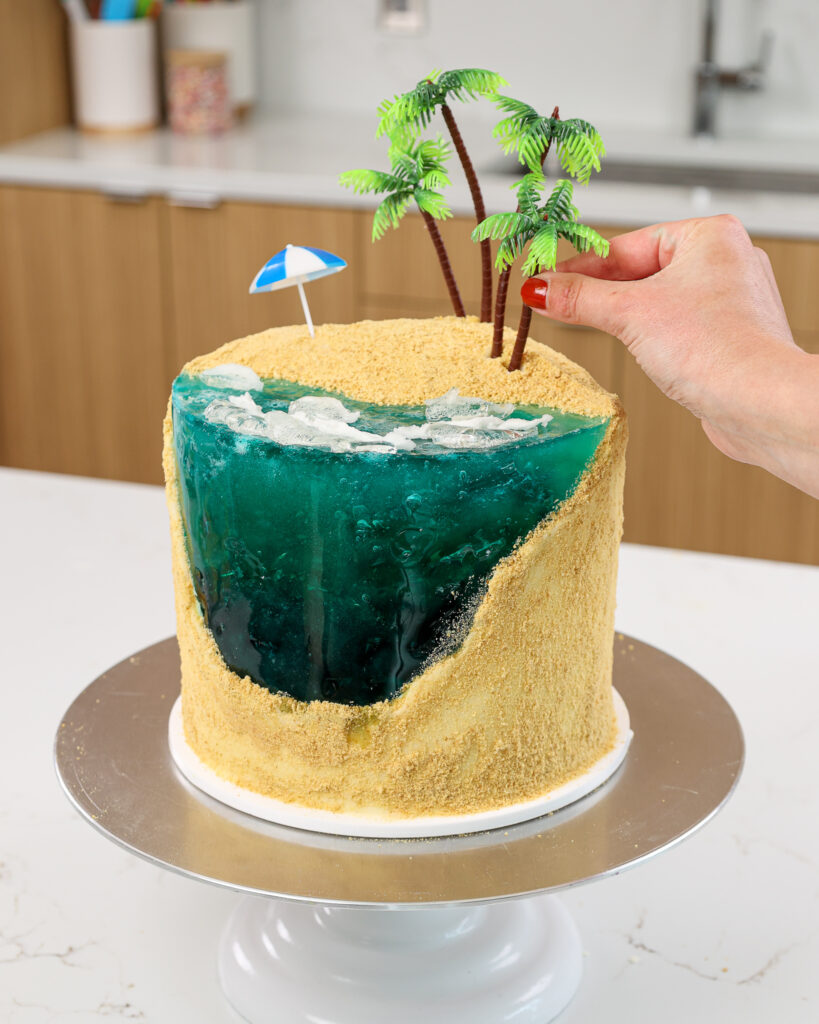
[125, 194]
[194, 200]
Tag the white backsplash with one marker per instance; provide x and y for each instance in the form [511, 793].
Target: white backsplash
[628, 65]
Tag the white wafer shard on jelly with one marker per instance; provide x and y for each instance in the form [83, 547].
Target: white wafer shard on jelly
[329, 417]
[314, 407]
[454, 404]
[402, 437]
[286, 429]
[514, 423]
[407, 433]
[232, 375]
[246, 401]
[239, 413]
[320, 421]
[451, 435]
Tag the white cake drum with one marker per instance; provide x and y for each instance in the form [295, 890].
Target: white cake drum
[297, 816]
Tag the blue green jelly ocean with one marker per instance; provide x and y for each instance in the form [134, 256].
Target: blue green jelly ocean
[338, 575]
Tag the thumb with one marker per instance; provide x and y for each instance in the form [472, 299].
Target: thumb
[578, 299]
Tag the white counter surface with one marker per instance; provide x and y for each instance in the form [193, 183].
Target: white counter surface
[723, 929]
[297, 160]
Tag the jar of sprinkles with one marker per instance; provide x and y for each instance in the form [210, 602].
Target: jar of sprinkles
[197, 91]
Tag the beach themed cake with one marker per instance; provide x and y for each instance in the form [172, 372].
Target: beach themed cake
[394, 565]
[395, 543]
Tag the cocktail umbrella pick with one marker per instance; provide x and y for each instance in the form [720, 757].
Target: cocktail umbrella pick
[296, 265]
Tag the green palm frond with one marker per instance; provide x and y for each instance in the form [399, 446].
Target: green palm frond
[404, 167]
[363, 180]
[534, 141]
[510, 248]
[413, 160]
[390, 211]
[579, 148]
[501, 225]
[433, 179]
[542, 250]
[559, 205]
[518, 115]
[523, 131]
[432, 203]
[413, 110]
[430, 157]
[468, 83]
[417, 174]
[582, 237]
[437, 149]
[528, 191]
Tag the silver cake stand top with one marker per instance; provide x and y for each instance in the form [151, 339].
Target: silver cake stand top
[113, 761]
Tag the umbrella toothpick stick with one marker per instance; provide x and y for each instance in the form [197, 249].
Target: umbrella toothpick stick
[296, 265]
[306, 309]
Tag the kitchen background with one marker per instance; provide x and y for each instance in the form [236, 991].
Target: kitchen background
[627, 65]
[124, 254]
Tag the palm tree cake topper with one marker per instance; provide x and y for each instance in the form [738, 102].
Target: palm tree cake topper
[539, 220]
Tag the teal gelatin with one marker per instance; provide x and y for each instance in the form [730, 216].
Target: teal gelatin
[333, 575]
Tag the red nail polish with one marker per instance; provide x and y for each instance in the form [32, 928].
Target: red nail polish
[534, 292]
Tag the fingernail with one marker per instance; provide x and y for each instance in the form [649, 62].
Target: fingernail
[534, 292]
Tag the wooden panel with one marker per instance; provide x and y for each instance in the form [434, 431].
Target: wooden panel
[215, 254]
[808, 340]
[81, 334]
[681, 492]
[796, 266]
[403, 265]
[33, 67]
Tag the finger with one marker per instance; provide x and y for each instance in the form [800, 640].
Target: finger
[579, 299]
[632, 256]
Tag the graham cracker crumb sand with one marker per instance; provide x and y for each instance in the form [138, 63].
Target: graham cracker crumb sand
[524, 702]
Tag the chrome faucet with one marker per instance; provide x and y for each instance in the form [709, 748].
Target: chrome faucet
[711, 78]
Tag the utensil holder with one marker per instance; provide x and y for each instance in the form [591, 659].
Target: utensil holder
[114, 68]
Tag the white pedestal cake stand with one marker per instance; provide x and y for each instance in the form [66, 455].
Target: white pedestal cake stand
[341, 930]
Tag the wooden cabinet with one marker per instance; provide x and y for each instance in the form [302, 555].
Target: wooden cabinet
[101, 302]
[33, 67]
[213, 255]
[84, 372]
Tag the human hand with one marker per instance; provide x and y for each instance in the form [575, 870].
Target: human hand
[698, 307]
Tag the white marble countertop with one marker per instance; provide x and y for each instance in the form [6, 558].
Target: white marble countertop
[723, 929]
[288, 159]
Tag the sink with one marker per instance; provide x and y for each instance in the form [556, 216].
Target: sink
[743, 179]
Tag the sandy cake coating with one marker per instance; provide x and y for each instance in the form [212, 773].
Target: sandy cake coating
[524, 703]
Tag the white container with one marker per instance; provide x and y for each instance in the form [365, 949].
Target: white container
[114, 67]
[228, 27]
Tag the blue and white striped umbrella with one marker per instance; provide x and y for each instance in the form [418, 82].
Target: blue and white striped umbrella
[296, 265]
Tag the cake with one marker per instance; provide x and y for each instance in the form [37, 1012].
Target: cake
[413, 614]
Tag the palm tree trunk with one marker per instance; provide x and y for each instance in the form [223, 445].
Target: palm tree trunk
[520, 341]
[480, 210]
[446, 266]
[503, 288]
[500, 313]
